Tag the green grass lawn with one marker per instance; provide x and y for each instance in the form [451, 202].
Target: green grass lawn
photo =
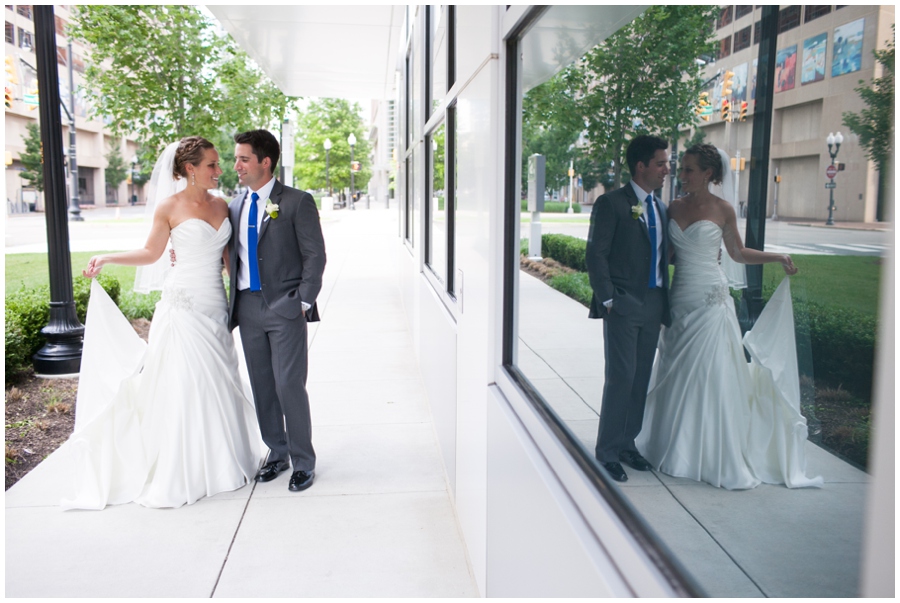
[32, 270]
[844, 281]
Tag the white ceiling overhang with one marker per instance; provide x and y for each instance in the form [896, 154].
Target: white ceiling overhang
[324, 51]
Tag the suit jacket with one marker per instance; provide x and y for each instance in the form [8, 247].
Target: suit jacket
[618, 253]
[290, 252]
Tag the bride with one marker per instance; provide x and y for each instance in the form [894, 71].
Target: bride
[168, 423]
[711, 416]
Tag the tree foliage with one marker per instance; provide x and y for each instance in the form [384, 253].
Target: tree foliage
[32, 158]
[116, 168]
[333, 119]
[645, 78]
[875, 124]
[163, 72]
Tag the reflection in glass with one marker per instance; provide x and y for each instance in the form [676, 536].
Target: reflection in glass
[804, 543]
[439, 51]
[437, 212]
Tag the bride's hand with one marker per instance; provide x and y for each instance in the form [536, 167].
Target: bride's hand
[788, 265]
[93, 267]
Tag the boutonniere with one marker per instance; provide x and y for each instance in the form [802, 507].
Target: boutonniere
[637, 210]
[272, 209]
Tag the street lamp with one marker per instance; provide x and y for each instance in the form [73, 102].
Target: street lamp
[327, 145]
[351, 140]
[833, 140]
[134, 161]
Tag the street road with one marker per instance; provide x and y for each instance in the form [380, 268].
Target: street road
[781, 236]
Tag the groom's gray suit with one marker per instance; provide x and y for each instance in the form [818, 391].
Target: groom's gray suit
[291, 258]
[618, 262]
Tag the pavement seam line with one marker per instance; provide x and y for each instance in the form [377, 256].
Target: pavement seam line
[231, 544]
[713, 538]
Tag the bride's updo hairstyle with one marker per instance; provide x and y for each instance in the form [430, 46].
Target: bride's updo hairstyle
[190, 150]
[708, 159]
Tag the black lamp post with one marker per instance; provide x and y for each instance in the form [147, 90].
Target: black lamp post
[134, 161]
[833, 140]
[327, 145]
[351, 140]
[62, 353]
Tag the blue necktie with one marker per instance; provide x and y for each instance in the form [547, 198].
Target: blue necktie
[651, 228]
[251, 243]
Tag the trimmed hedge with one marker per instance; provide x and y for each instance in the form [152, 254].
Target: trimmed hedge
[28, 311]
[834, 345]
[565, 249]
[554, 207]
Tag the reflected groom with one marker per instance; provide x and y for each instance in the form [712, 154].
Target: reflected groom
[627, 262]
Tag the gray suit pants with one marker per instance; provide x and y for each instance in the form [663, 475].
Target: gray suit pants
[630, 346]
[276, 352]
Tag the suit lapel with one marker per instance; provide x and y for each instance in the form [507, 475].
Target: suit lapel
[632, 201]
[275, 197]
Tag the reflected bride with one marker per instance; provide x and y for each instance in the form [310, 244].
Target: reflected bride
[711, 416]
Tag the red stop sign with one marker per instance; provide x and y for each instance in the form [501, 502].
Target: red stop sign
[831, 171]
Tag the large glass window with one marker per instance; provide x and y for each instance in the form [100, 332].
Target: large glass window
[742, 9]
[779, 160]
[440, 148]
[725, 14]
[436, 257]
[742, 39]
[10, 33]
[788, 18]
[814, 12]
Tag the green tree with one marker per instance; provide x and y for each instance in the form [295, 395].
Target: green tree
[551, 125]
[116, 170]
[333, 119]
[875, 124]
[32, 158]
[164, 72]
[644, 78]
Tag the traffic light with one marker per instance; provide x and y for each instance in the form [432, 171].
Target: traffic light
[726, 110]
[743, 114]
[11, 71]
[727, 83]
[703, 107]
[7, 98]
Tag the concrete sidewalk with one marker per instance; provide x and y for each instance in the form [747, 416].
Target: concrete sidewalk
[378, 522]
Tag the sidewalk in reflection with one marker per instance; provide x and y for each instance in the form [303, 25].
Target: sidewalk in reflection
[770, 541]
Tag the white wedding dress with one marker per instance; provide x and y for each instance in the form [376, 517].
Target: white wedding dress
[711, 416]
[166, 423]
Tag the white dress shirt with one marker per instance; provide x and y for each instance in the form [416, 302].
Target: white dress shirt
[243, 274]
[642, 195]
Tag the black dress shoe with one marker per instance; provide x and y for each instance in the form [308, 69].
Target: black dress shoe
[271, 470]
[635, 460]
[616, 472]
[301, 480]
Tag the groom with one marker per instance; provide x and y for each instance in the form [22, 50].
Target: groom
[627, 262]
[277, 257]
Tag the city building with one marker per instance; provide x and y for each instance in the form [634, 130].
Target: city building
[823, 54]
[93, 142]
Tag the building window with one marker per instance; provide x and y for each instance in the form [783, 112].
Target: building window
[60, 26]
[24, 10]
[10, 33]
[814, 12]
[26, 40]
[78, 63]
[62, 56]
[725, 16]
[756, 31]
[742, 39]
[436, 204]
[742, 9]
[724, 48]
[788, 18]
